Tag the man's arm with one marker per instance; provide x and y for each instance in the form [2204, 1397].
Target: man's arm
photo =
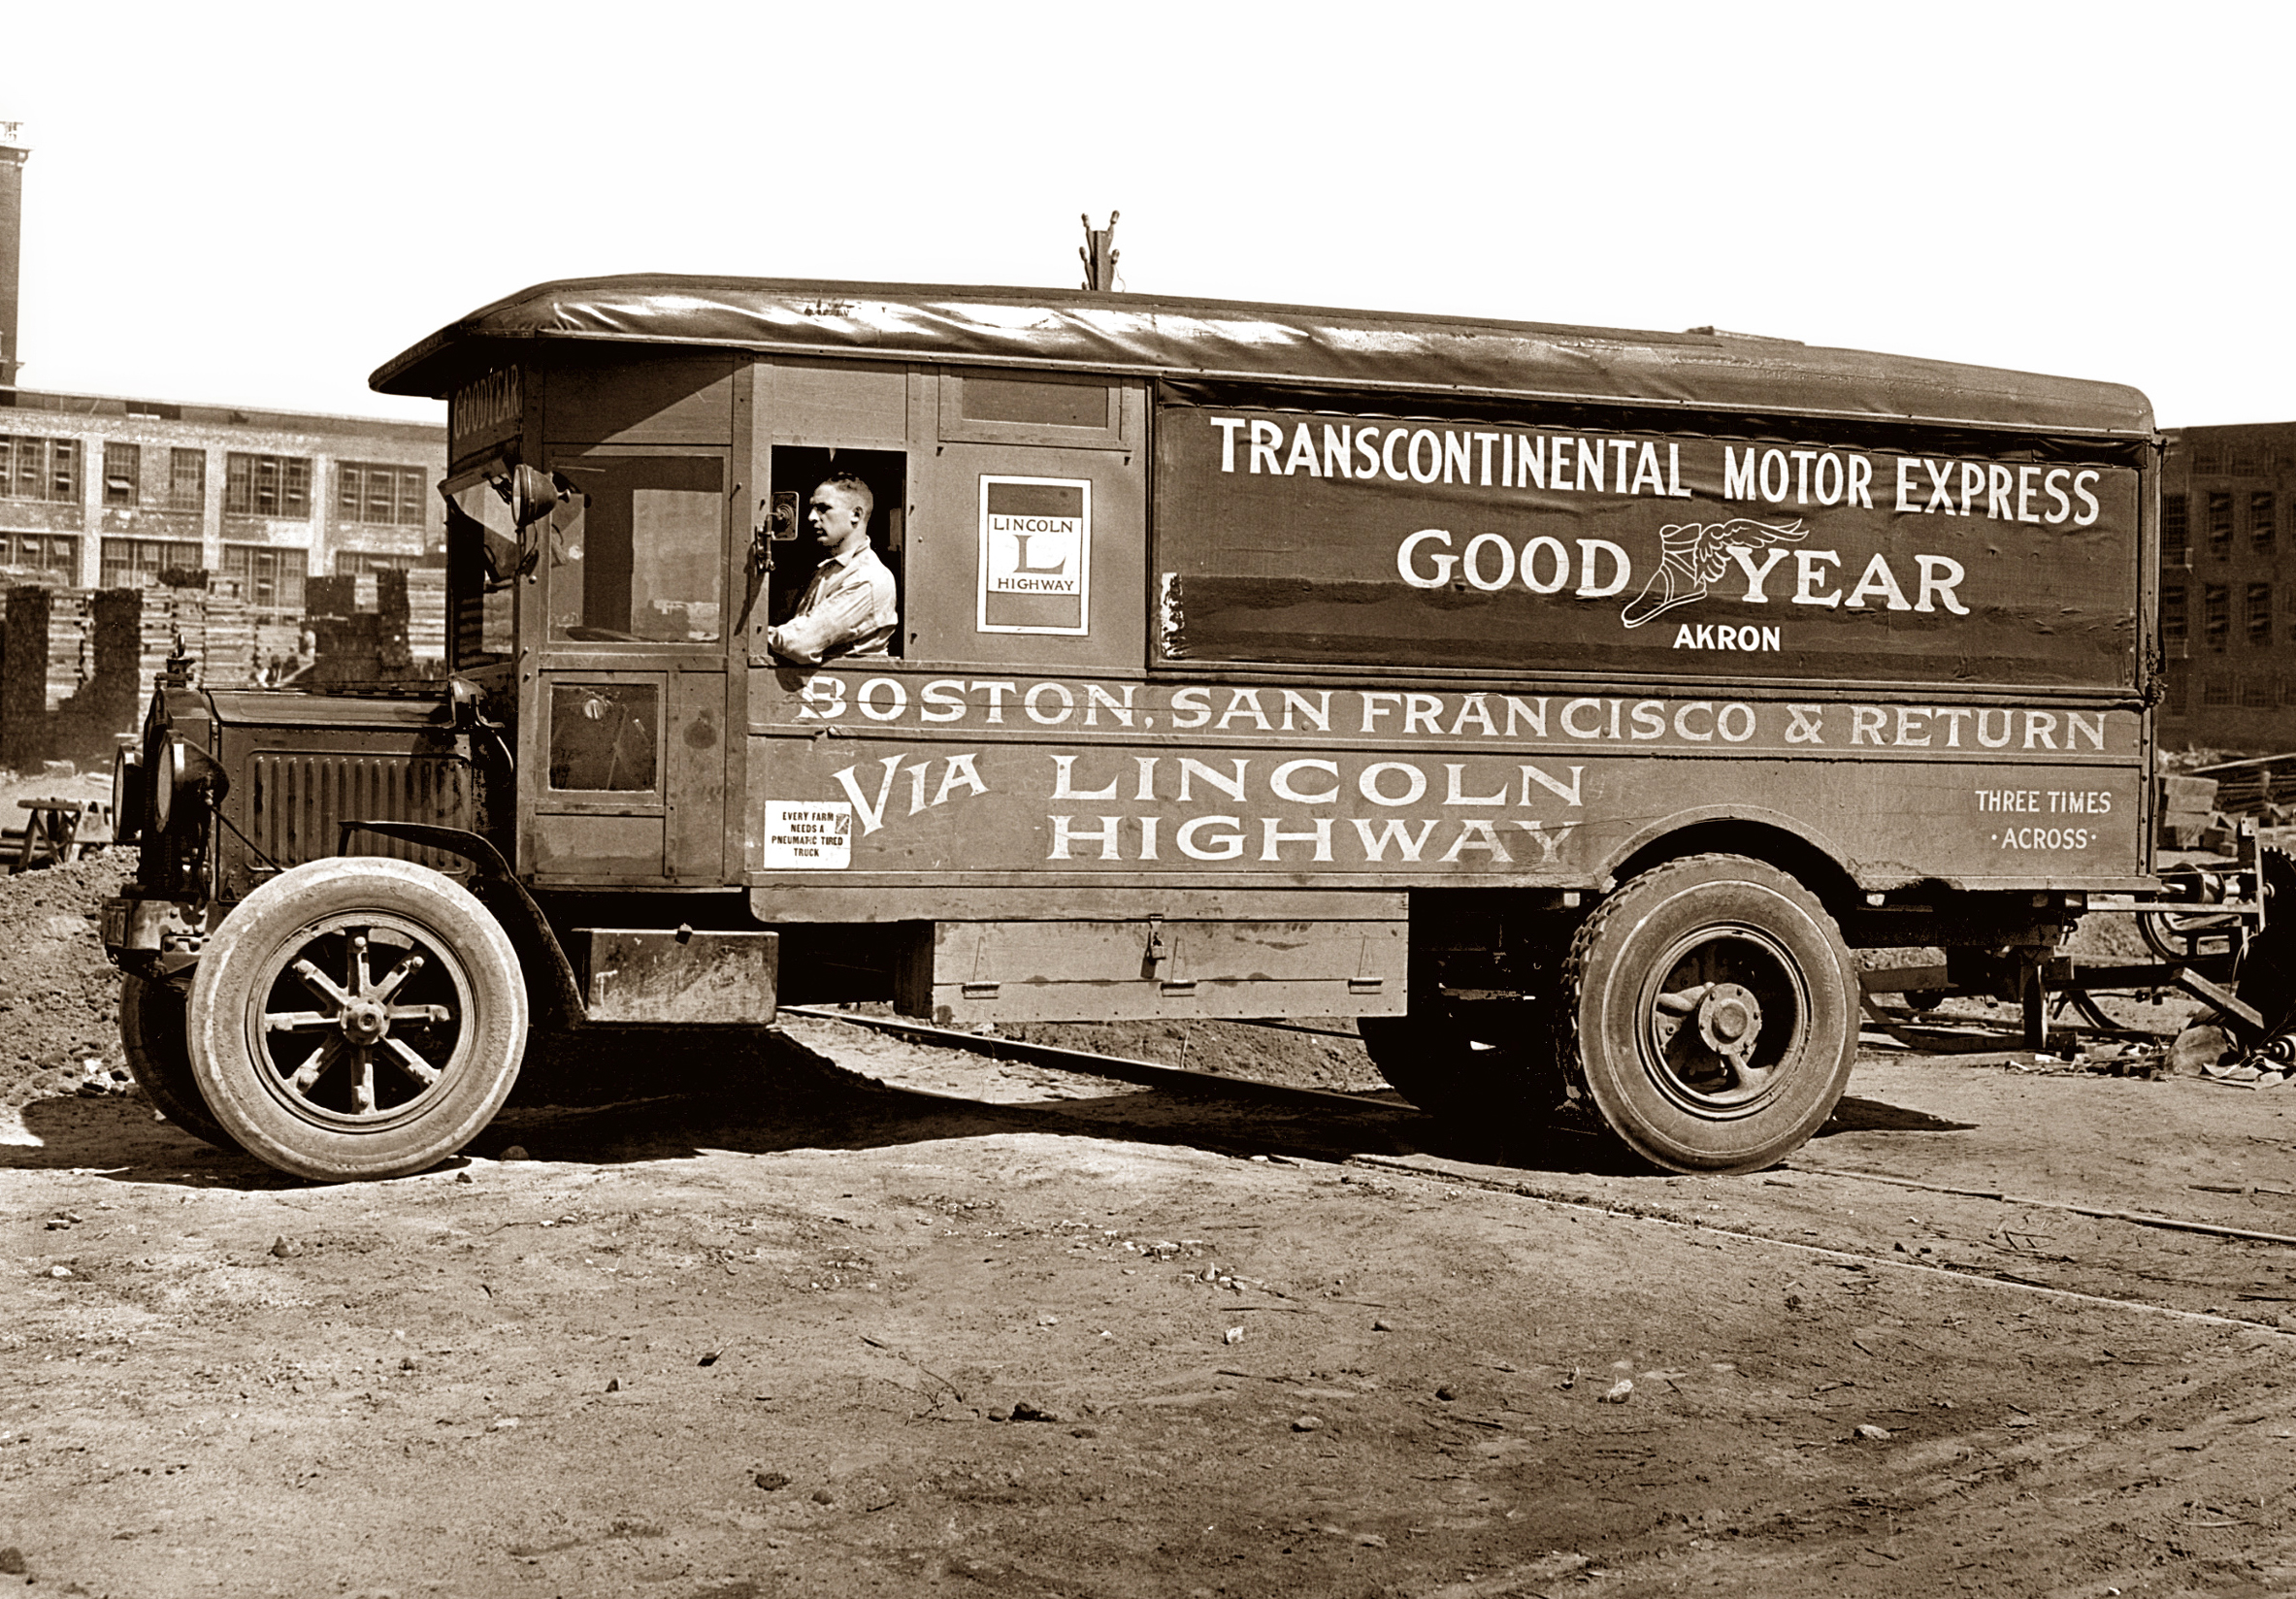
[841, 613]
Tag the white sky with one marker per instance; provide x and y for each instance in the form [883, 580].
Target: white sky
[259, 203]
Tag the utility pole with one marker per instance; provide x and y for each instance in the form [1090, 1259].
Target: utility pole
[1100, 254]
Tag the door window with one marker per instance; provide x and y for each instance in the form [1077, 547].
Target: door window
[603, 737]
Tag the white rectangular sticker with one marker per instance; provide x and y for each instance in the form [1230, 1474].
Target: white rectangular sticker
[807, 836]
[1036, 555]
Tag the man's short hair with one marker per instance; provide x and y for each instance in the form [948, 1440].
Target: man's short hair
[853, 486]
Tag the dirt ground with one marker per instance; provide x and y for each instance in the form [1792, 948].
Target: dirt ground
[839, 1314]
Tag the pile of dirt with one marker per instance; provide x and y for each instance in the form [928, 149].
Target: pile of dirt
[59, 997]
[1311, 1053]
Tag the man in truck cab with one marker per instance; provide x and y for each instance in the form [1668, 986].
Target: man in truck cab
[847, 610]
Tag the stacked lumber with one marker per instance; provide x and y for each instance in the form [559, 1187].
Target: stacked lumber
[71, 646]
[228, 660]
[229, 642]
[426, 613]
[156, 633]
[277, 641]
[218, 632]
[2188, 809]
[2250, 788]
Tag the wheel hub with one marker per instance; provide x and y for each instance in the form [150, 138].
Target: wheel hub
[367, 1053]
[364, 1021]
[1709, 1036]
[1729, 1020]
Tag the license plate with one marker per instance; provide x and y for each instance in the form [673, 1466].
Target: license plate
[116, 924]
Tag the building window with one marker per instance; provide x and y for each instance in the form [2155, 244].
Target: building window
[2220, 525]
[2173, 621]
[124, 472]
[2179, 695]
[187, 479]
[269, 579]
[2216, 692]
[2263, 520]
[277, 486]
[2174, 530]
[2215, 616]
[2258, 693]
[41, 552]
[131, 563]
[390, 496]
[39, 468]
[362, 564]
[2259, 618]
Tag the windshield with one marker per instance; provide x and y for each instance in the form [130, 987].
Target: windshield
[482, 565]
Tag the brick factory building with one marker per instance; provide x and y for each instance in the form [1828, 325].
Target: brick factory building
[2228, 588]
[101, 492]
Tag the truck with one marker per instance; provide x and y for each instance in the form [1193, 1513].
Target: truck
[1566, 703]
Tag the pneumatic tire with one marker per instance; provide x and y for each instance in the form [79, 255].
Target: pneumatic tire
[1709, 1015]
[151, 1035]
[357, 1018]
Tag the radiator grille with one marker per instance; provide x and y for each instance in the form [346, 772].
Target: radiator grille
[301, 801]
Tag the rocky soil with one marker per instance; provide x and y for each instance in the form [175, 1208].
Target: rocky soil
[59, 997]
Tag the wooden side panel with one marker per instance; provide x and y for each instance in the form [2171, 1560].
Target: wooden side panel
[643, 975]
[657, 399]
[943, 594]
[598, 849]
[973, 779]
[837, 402]
[1049, 971]
[694, 745]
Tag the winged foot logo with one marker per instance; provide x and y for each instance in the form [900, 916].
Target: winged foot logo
[1693, 555]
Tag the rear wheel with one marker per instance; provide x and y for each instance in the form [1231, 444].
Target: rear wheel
[151, 1035]
[357, 1018]
[1709, 1014]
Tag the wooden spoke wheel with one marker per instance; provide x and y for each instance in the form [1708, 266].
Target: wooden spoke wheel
[357, 1018]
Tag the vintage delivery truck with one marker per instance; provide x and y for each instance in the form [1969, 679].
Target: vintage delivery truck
[1566, 703]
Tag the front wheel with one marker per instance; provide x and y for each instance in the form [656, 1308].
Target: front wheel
[151, 1035]
[357, 1018]
[1710, 1014]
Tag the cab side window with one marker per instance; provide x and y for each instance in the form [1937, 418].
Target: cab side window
[642, 559]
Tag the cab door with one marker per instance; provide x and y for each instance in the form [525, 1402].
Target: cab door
[625, 743]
